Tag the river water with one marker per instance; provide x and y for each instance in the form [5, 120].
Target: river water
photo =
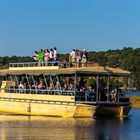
[14, 127]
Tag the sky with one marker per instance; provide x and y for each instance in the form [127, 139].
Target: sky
[94, 25]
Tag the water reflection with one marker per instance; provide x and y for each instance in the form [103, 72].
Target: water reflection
[42, 128]
[110, 128]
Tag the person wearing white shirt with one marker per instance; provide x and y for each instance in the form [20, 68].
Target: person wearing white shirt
[73, 55]
[55, 56]
[21, 87]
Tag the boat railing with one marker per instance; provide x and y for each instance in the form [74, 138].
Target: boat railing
[91, 96]
[85, 96]
[33, 64]
[123, 96]
[79, 95]
[51, 63]
[38, 91]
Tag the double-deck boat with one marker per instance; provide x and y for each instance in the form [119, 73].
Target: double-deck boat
[56, 89]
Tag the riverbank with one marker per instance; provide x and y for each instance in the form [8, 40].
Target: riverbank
[135, 100]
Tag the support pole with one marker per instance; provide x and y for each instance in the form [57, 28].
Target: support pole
[129, 85]
[34, 83]
[16, 80]
[75, 83]
[108, 83]
[118, 93]
[46, 83]
[97, 88]
[59, 83]
[11, 82]
[51, 80]
[52, 83]
[28, 82]
[17, 83]
[7, 88]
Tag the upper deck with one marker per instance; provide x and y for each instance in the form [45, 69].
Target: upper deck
[36, 68]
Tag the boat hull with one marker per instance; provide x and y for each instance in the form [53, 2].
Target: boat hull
[56, 105]
[120, 111]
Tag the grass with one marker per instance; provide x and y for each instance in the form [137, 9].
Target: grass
[135, 101]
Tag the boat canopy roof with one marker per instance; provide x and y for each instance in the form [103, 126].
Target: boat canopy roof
[81, 71]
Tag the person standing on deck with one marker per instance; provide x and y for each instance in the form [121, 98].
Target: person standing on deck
[73, 55]
[35, 56]
[51, 56]
[41, 57]
[78, 58]
[55, 54]
[84, 58]
[46, 57]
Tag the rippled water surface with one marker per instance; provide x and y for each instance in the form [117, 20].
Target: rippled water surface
[50, 128]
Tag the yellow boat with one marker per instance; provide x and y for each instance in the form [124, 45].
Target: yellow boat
[53, 97]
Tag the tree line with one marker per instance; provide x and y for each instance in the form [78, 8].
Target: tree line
[126, 58]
